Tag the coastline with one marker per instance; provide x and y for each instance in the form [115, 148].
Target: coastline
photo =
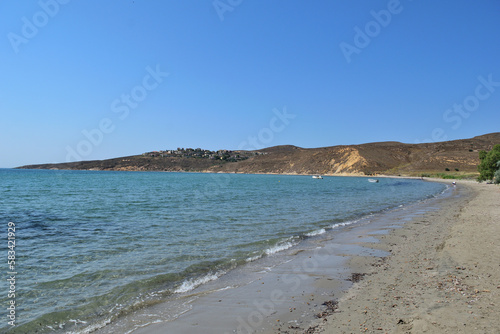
[288, 295]
[291, 247]
[426, 268]
[442, 276]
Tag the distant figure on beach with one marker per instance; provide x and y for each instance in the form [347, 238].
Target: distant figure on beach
[454, 183]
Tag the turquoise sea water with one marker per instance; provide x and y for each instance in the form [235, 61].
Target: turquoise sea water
[93, 246]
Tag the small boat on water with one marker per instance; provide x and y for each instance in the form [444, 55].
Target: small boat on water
[317, 177]
[373, 180]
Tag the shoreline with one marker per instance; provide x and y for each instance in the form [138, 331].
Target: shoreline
[285, 296]
[361, 175]
[398, 273]
[442, 276]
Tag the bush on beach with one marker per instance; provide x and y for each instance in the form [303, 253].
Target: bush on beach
[490, 163]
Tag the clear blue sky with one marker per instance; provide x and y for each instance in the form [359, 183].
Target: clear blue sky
[88, 79]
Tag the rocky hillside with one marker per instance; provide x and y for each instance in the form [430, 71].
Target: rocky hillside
[391, 158]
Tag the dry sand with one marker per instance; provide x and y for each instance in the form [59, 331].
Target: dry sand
[443, 275]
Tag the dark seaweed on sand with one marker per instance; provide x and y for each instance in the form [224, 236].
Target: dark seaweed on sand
[356, 277]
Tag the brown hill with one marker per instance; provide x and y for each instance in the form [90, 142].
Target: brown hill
[391, 158]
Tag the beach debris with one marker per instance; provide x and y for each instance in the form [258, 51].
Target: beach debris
[331, 307]
[331, 304]
[311, 330]
[356, 277]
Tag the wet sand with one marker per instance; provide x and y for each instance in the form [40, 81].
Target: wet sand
[443, 275]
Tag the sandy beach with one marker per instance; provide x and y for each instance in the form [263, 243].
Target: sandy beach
[443, 275]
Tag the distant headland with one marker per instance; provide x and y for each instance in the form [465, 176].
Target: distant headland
[457, 157]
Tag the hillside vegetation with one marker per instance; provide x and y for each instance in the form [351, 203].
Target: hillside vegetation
[457, 157]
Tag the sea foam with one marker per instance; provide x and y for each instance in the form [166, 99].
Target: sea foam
[191, 284]
[317, 232]
[279, 248]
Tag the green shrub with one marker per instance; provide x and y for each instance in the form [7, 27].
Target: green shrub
[446, 176]
[489, 163]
